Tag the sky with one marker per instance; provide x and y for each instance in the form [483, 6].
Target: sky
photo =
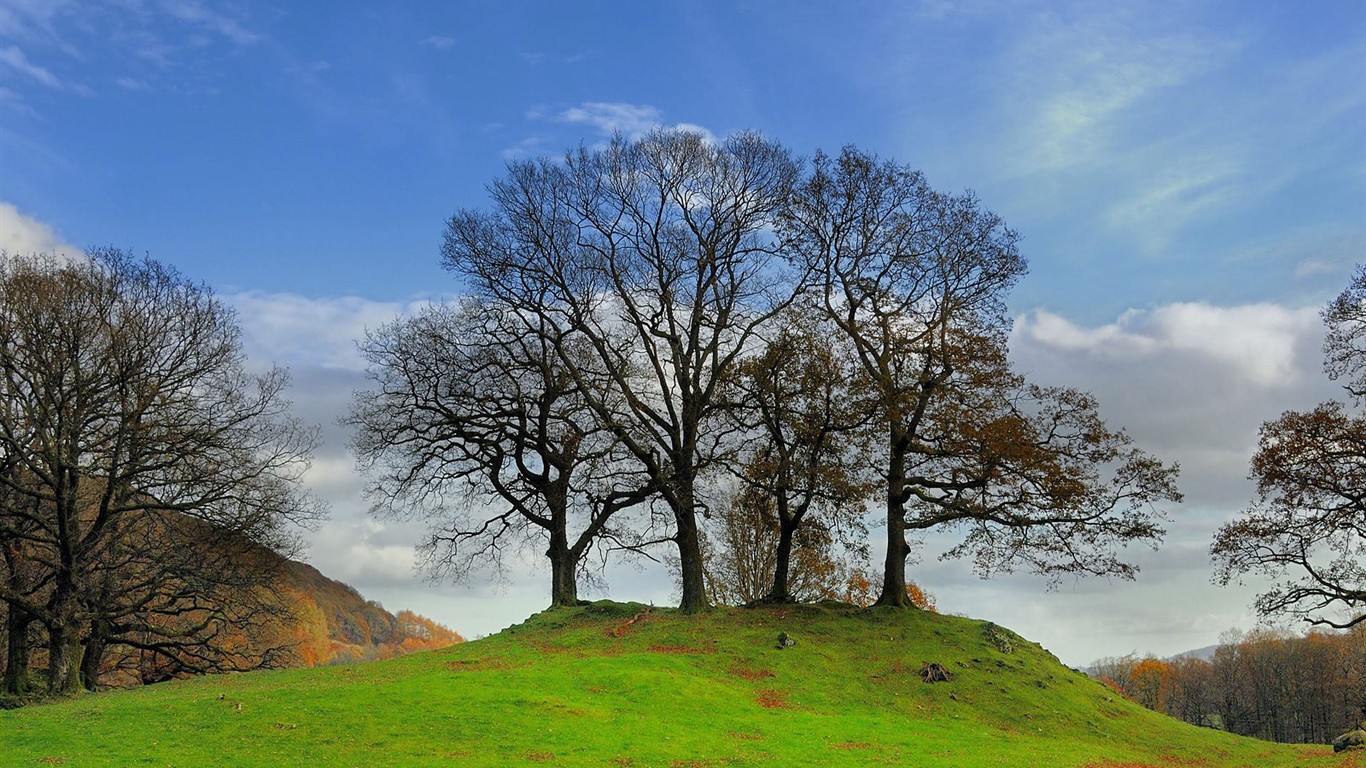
[1189, 179]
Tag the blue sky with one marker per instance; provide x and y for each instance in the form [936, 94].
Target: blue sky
[1189, 179]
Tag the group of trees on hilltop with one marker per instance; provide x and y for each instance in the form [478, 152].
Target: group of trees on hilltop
[140, 465]
[664, 330]
[1269, 684]
[666, 341]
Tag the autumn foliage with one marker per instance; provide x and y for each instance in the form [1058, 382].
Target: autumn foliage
[1267, 684]
[862, 590]
[313, 621]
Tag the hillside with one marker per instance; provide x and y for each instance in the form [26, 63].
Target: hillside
[622, 685]
[336, 624]
[314, 620]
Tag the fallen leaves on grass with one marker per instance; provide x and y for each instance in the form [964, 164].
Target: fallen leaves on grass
[750, 674]
[771, 699]
[620, 631]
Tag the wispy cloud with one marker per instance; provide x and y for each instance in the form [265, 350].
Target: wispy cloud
[30, 19]
[1079, 83]
[439, 42]
[605, 118]
[200, 16]
[531, 146]
[133, 84]
[12, 57]
[611, 117]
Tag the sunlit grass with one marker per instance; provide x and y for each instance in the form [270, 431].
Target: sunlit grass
[591, 687]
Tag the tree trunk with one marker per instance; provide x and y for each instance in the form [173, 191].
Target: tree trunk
[64, 657]
[780, 592]
[894, 567]
[16, 651]
[93, 657]
[690, 555]
[564, 586]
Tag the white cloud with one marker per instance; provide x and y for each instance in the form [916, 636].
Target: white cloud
[1257, 343]
[297, 330]
[133, 84]
[21, 19]
[531, 146]
[631, 120]
[1079, 80]
[440, 42]
[1192, 382]
[20, 234]
[614, 117]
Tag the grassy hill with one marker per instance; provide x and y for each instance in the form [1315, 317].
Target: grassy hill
[619, 685]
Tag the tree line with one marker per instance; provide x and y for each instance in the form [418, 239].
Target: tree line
[1268, 683]
[665, 331]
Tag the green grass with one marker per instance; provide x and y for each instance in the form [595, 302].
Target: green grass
[583, 687]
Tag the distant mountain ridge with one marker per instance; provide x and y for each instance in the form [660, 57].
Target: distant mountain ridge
[1205, 653]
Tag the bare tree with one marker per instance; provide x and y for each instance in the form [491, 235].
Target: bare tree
[470, 408]
[124, 392]
[655, 257]
[1307, 527]
[187, 596]
[916, 280]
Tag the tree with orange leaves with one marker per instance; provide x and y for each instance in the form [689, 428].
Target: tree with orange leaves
[914, 280]
[1307, 527]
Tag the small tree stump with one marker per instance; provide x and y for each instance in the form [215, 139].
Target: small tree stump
[934, 672]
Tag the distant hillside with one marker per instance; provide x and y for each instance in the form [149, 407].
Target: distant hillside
[1206, 653]
[300, 618]
[337, 625]
[630, 686]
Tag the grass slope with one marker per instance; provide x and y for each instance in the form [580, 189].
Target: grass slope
[613, 685]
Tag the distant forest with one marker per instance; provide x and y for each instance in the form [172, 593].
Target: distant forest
[1268, 684]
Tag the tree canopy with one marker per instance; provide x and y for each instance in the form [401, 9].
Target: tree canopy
[768, 342]
[135, 448]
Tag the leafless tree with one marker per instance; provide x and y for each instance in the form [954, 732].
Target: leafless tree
[916, 280]
[476, 426]
[1307, 527]
[123, 393]
[655, 257]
